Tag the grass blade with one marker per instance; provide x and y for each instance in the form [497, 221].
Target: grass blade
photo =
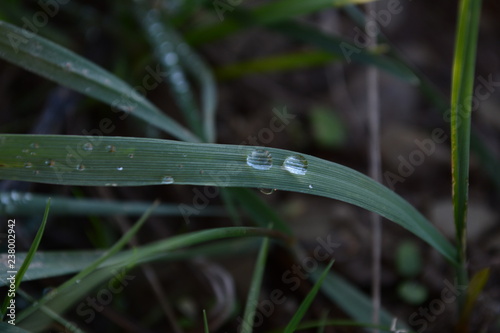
[254, 291]
[461, 90]
[27, 261]
[56, 63]
[28, 204]
[139, 161]
[306, 303]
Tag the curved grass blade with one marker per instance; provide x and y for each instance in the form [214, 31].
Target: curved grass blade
[66, 295]
[28, 204]
[73, 160]
[52, 264]
[61, 65]
[306, 303]
[254, 291]
[27, 261]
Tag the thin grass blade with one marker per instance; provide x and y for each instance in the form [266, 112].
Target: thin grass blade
[28, 204]
[254, 291]
[26, 263]
[306, 303]
[58, 64]
[461, 90]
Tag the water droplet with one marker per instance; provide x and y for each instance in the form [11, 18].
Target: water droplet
[25, 151]
[295, 164]
[111, 148]
[50, 163]
[67, 66]
[15, 195]
[202, 172]
[28, 165]
[77, 281]
[111, 184]
[119, 168]
[167, 180]
[88, 146]
[35, 145]
[32, 153]
[130, 155]
[170, 59]
[80, 167]
[260, 159]
[267, 191]
[85, 72]
[36, 172]
[310, 186]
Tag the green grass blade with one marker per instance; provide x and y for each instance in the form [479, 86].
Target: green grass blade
[355, 303]
[267, 13]
[67, 294]
[51, 264]
[254, 291]
[166, 43]
[276, 63]
[306, 303]
[28, 204]
[73, 160]
[29, 257]
[8, 328]
[461, 90]
[95, 264]
[335, 323]
[56, 63]
[462, 84]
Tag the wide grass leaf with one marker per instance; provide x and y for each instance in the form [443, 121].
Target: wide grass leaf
[56, 63]
[75, 160]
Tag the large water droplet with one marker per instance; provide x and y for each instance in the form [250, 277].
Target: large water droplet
[296, 164]
[80, 167]
[88, 146]
[119, 168]
[167, 180]
[310, 186]
[260, 159]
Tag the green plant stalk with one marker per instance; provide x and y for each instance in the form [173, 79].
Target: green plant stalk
[462, 84]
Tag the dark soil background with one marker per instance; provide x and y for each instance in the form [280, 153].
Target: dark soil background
[423, 33]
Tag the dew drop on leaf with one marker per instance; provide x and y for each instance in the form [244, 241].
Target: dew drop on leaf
[119, 168]
[260, 159]
[295, 164]
[28, 165]
[88, 146]
[167, 180]
[267, 191]
[80, 167]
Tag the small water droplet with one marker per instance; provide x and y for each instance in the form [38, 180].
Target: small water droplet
[167, 180]
[35, 145]
[28, 165]
[202, 172]
[170, 59]
[296, 164]
[260, 159]
[130, 155]
[25, 151]
[77, 281]
[32, 153]
[36, 172]
[85, 72]
[310, 186]
[15, 195]
[50, 163]
[111, 148]
[267, 191]
[184, 155]
[88, 146]
[67, 66]
[111, 184]
[80, 167]
[119, 168]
